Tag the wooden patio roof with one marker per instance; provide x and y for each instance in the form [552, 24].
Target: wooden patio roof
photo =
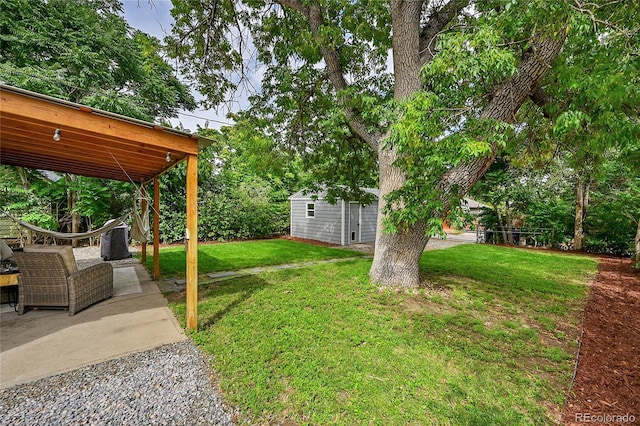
[92, 142]
[100, 144]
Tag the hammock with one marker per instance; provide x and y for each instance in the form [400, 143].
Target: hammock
[69, 235]
[140, 225]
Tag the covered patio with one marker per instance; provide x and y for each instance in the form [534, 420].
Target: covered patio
[42, 132]
[95, 143]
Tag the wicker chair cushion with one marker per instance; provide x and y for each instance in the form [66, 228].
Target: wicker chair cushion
[5, 250]
[65, 251]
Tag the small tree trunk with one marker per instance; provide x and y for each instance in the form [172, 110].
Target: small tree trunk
[71, 206]
[582, 203]
[503, 230]
[637, 257]
[75, 227]
[23, 178]
[508, 217]
[89, 229]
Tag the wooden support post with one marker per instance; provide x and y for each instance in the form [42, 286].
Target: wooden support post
[192, 242]
[156, 228]
[143, 207]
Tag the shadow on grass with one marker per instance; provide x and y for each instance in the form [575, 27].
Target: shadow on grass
[173, 263]
[208, 263]
[221, 298]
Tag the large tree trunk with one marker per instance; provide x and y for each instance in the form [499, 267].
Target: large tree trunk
[582, 203]
[397, 256]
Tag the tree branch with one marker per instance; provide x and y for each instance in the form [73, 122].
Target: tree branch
[436, 22]
[588, 9]
[540, 98]
[315, 19]
[295, 5]
[505, 102]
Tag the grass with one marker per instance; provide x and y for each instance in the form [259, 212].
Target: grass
[490, 341]
[246, 254]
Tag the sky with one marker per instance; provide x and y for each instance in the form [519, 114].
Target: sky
[155, 19]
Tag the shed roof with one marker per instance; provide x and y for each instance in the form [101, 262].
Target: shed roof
[470, 203]
[305, 194]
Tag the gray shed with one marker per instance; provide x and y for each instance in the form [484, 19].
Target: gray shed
[344, 223]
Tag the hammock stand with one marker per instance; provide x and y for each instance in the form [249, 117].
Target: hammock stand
[70, 235]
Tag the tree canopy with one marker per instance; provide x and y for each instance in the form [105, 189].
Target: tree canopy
[84, 51]
[421, 94]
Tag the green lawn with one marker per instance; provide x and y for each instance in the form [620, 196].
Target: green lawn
[491, 341]
[245, 254]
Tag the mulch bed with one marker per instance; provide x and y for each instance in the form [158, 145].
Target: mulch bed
[607, 382]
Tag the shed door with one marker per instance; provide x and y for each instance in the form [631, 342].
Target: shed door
[354, 223]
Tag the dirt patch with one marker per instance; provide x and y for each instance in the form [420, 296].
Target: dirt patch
[607, 382]
[421, 304]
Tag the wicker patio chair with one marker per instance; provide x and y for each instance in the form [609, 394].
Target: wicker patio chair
[49, 277]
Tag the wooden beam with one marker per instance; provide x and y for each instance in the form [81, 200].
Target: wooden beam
[97, 154]
[62, 116]
[94, 153]
[69, 166]
[143, 207]
[156, 228]
[192, 242]
[21, 130]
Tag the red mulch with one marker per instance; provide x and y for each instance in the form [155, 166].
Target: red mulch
[607, 382]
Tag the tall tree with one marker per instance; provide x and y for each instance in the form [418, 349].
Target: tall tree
[591, 101]
[428, 91]
[84, 51]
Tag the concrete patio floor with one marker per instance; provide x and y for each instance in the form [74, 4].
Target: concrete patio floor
[46, 342]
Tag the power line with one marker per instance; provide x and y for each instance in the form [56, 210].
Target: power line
[205, 118]
[100, 91]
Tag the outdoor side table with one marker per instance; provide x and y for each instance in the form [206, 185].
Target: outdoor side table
[11, 280]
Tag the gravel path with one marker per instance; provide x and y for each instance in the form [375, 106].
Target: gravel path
[434, 243]
[168, 385]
